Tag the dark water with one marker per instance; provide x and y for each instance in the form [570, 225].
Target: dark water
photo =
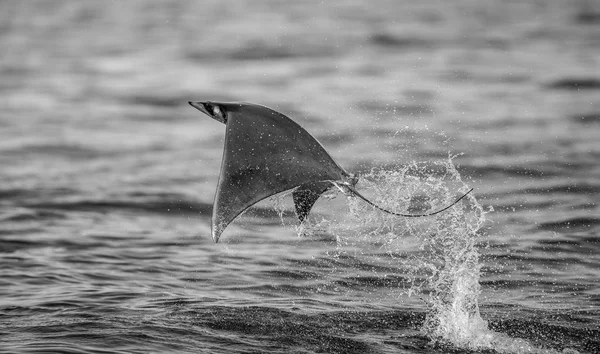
[108, 177]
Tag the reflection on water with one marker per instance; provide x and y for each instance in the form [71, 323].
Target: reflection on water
[108, 176]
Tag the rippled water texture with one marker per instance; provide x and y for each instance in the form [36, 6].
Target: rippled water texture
[108, 177]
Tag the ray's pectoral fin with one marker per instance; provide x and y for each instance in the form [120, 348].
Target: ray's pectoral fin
[306, 196]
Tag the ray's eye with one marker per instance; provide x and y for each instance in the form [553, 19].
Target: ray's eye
[216, 112]
[213, 109]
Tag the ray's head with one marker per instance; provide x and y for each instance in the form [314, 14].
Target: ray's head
[216, 111]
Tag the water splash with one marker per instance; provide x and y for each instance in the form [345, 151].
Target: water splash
[444, 268]
[445, 265]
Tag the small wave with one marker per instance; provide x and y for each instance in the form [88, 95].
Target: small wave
[393, 110]
[575, 84]
[570, 225]
[9, 246]
[170, 207]
[70, 151]
[504, 170]
[572, 247]
[579, 188]
[15, 193]
[265, 50]
[587, 15]
[370, 282]
[586, 119]
[481, 77]
[26, 214]
[159, 101]
[389, 40]
[292, 274]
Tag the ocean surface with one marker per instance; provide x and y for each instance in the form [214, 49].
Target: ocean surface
[107, 177]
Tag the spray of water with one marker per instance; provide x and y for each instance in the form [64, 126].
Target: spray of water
[445, 269]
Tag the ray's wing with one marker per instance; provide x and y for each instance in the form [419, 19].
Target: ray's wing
[266, 153]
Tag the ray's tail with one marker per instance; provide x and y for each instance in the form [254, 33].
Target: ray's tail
[356, 193]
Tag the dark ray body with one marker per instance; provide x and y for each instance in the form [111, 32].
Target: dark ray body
[267, 153]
